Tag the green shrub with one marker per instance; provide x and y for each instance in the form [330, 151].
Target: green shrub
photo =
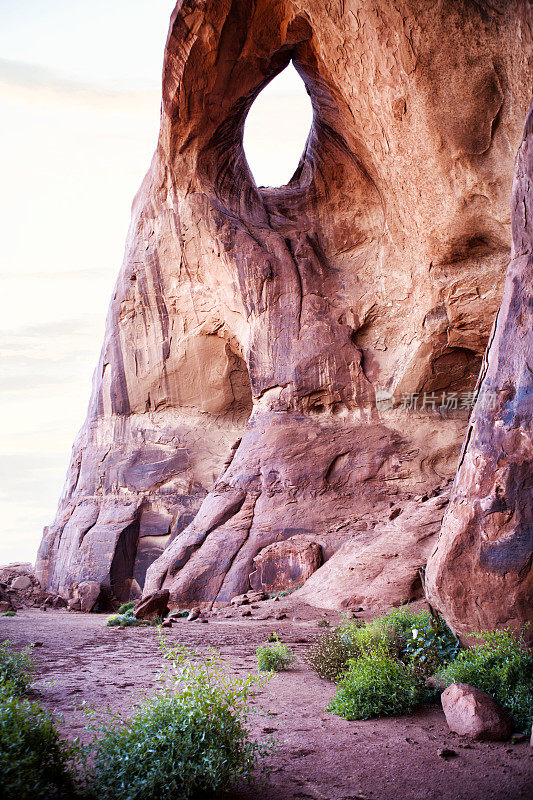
[35, 764]
[502, 666]
[16, 669]
[329, 654]
[122, 620]
[125, 607]
[10, 613]
[191, 739]
[274, 657]
[376, 684]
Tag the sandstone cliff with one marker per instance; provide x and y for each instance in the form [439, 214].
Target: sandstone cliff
[264, 347]
[481, 573]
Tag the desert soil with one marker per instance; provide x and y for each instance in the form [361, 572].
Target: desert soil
[318, 755]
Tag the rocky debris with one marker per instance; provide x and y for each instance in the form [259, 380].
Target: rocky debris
[6, 603]
[254, 596]
[74, 604]
[155, 605]
[480, 574]
[258, 333]
[17, 569]
[475, 714]
[194, 614]
[89, 594]
[286, 565]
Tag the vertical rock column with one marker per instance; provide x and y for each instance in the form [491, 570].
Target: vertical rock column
[480, 574]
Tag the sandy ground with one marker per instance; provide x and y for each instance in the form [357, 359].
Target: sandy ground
[318, 755]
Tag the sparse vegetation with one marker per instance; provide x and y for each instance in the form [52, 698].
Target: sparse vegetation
[376, 684]
[502, 666]
[330, 653]
[125, 607]
[34, 761]
[10, 613]
[382, 667]
[191, 739]
[274, 657]
[16, 669]
[122, 620]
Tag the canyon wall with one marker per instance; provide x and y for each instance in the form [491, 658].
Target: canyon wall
[480, 574]
[300, 361]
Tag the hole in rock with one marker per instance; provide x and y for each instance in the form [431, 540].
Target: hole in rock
[276, 129]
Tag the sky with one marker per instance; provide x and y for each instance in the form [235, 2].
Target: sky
[79, 116]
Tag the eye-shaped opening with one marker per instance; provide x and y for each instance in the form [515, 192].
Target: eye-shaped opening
[276, 129]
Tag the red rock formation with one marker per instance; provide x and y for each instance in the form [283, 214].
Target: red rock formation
[481, 572]
[289, 317]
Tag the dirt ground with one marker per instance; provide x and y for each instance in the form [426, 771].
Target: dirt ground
[318, 755]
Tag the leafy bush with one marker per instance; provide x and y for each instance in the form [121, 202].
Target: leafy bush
[376, 684]
[189, 740]
[274, 657]
[122, 620]
[16, 669]
[502, 666]
[35, 763]
[328, 656]
[415, 638]
[125, 607]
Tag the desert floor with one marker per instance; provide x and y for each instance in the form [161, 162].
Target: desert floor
[318, 755]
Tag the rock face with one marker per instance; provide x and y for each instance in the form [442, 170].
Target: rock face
[266, 348]
[481, 572]
[475, 714]
[285, 565]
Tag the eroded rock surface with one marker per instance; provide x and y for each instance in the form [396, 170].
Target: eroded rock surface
[480, 574]
[265, 347]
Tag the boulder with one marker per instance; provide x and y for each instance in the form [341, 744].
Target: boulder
[194, 614]
[475, 714]
[21, 583]
[286, 565]
[88, 594]
[155, 605]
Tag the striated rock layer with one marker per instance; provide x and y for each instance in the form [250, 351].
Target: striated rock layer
[480, 575]
[263, 346]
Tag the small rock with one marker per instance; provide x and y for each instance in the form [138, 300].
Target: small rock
[37, 644]
[204, 620]
[167, 623]
[5, 606]
[473, 713]
[246, 613]
[280, 615]
[445, 752]
[194, 613]
[59, 602]
[72, 605]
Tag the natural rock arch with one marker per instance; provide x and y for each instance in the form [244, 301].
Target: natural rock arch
[375, 272]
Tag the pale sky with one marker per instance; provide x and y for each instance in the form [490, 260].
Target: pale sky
[79, 115]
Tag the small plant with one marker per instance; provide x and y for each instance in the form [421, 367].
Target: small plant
[125, 607]
[376, 684]
[189, 740]
[502, 666]
[10, 613]
[16, 669]
[328, 656]
[323, 623]
[284, 593]
[122, 620]
[275, 657]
